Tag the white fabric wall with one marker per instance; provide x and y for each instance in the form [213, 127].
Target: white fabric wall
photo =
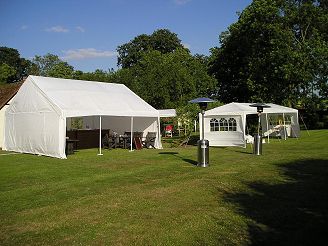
[32, 125]
[292, 129]
[35, 133]
[2, 123]
[225, 138]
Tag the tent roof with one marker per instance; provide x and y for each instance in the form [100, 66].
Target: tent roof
[83, 98]
[244, 108]
[167, 112]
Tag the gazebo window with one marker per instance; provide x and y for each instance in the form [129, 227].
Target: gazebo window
[223, 125]
[214, 125]
[232, 125]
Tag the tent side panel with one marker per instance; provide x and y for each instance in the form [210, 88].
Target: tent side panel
[295, 127]
[34, 133]
[2, 122]
[225, 138]
[150, 125]
[276, 124]
[9, 140]
[243, 123]
[295, 131]
[32, 124]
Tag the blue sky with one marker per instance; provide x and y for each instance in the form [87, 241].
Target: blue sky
[86, 33]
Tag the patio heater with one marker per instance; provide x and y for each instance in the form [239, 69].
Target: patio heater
[257, 149]
[203, 144]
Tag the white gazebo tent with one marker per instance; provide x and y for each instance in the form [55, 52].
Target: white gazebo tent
[167, 113]
[226, 125]
[36, 121]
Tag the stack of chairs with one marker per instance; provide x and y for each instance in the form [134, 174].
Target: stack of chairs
[109, 141]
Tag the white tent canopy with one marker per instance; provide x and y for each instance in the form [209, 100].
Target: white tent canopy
[167, 113]
[226, 125]
[36, 120]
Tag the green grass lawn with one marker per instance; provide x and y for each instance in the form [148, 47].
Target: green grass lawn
[159, 197]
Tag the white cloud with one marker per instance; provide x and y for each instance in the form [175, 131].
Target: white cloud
[57, 29]
[181, 2]
[80, 29]
[80, 54]
[24, 27]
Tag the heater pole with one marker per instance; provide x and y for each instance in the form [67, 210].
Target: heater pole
[203, 135]
[100, 136]
[257, 147]
[203, 144]
[259, 124]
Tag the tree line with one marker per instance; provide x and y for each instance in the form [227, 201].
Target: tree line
[276, 52]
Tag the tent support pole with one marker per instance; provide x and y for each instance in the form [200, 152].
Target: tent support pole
[285, 130]
[100, 136]
[200, 126]
[259, 124]
[131, 134]
[244, 128]
[267, 123]
[159, 133]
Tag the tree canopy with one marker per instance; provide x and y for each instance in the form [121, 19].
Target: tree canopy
[168, 80]
[161, 40]
[276, 51]
[6, 73]
[51, 65]
[12, 67]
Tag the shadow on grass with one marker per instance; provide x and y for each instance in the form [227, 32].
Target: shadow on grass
[248, 150]
[245, 151]
[290, 213]
[189, 161]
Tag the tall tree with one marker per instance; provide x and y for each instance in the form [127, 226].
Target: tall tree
[13, 67]
[161, 40]
[164, 73]
[6, 73]
[168, 80]
[61, 70]
[276, 51]
[52, 66]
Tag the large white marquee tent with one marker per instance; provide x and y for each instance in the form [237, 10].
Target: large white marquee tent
[226, 125]
[37, 120]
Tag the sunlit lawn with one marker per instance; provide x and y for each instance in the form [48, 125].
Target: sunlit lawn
[159, 197]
